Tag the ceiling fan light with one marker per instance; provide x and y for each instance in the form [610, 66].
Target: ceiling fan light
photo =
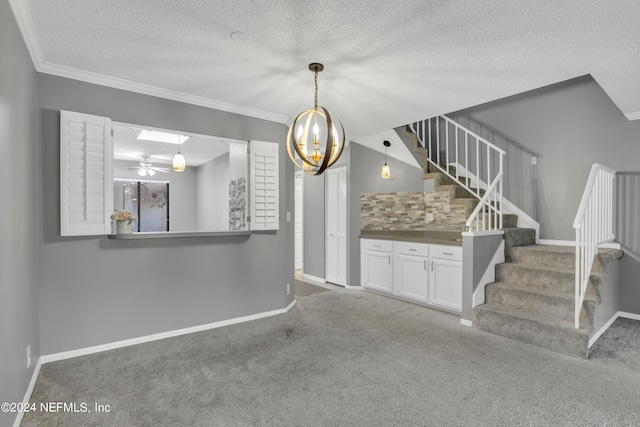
[178, 162]
[142, 172]
[151, 172]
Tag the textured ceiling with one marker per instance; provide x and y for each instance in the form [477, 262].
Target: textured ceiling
[387, 63]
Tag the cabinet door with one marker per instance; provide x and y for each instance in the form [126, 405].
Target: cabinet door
[445, 284]
[412, 277]
[377, 272]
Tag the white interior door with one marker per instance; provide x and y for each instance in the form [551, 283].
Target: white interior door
[336, 226]
[298, 220]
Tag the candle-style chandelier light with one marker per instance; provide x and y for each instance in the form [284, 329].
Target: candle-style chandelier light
[313, 142]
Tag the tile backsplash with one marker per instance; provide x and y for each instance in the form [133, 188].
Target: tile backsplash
[411, 211]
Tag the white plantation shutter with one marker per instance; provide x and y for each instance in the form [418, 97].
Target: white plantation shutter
[264, 189]
[86, 176]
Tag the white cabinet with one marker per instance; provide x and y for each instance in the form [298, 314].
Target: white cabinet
[411, 271]
[376, 265]
[445, 278]
[426, 273]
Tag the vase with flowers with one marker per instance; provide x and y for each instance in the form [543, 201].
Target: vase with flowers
[124, 221]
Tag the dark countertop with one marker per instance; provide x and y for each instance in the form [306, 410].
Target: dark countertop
[451, 238]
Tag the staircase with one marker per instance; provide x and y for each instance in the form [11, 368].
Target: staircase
[533, 298]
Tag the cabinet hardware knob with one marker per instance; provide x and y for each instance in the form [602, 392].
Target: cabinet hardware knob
[425, 265]
[389, 259]
[376, 246]
[447, 253]
[431, 265]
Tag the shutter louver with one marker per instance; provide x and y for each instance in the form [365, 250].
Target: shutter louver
[264, 190]
[85, 174]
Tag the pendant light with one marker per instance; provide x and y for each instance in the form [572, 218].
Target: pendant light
[313, 141]
[386, 171]
[178, 160]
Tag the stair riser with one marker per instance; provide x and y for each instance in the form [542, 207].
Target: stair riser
[545, 259]
[523, 275]
[571, 342]
[551, 306]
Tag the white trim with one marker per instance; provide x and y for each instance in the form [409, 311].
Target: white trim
[354, 288]
[627, 315]
[483, 233]
[635, 115]
[610, 245]
[27, 395]
[466, 322]
[117, 83]
[162, 335]
[315, 278]
[557, 242]
[22, 15]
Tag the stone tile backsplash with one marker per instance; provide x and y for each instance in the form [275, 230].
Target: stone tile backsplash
[411, 211]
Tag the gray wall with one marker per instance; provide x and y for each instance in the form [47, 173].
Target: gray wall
[570, 125]
[18, 250]
[364, 177]
[477, 253]
[628, 232]
[96, 290]
[213, 194]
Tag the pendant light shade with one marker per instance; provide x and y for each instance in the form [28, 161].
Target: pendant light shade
[315, 141]
[179, 162]
[386, 171]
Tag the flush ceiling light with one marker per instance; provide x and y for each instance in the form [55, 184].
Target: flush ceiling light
[386, 171]
[308, 130]
[179, 162]
[157, 136]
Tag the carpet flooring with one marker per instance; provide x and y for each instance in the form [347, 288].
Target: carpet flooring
[304, 288]
[347, 358]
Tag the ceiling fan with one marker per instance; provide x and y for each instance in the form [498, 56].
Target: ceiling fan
[146, 168]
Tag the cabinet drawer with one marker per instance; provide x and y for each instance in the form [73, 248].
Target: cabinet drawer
[409, 248]
[377, 245]
[446, 252]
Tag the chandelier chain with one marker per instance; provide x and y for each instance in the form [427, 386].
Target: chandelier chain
[315, 79]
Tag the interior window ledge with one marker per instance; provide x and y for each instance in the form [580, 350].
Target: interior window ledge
[177, 234]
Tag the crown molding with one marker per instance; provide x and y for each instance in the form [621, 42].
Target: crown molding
[633, 116]
[22, 15]
[117, 83]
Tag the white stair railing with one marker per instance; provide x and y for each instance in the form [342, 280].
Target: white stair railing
[449, 143]
[594, 226]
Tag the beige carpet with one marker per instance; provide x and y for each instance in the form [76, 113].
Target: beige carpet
[304, 288]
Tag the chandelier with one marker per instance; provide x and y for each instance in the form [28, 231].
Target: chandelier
[313, 142]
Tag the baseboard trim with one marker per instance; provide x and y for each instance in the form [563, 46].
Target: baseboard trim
[627, 315]
[466, 322]
[557, 242]
[162, 335]
[317, 279]
[354, 288]
[27, 395]
[623, 314]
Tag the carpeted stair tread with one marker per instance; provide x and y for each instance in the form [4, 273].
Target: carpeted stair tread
[562, 280]
[554, 304]
[539, 330]
[537, 291]
[560, 257]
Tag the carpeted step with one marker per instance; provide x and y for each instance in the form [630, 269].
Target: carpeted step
[556, 335]
[559, 305]
[560, 257]
[557, 280]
